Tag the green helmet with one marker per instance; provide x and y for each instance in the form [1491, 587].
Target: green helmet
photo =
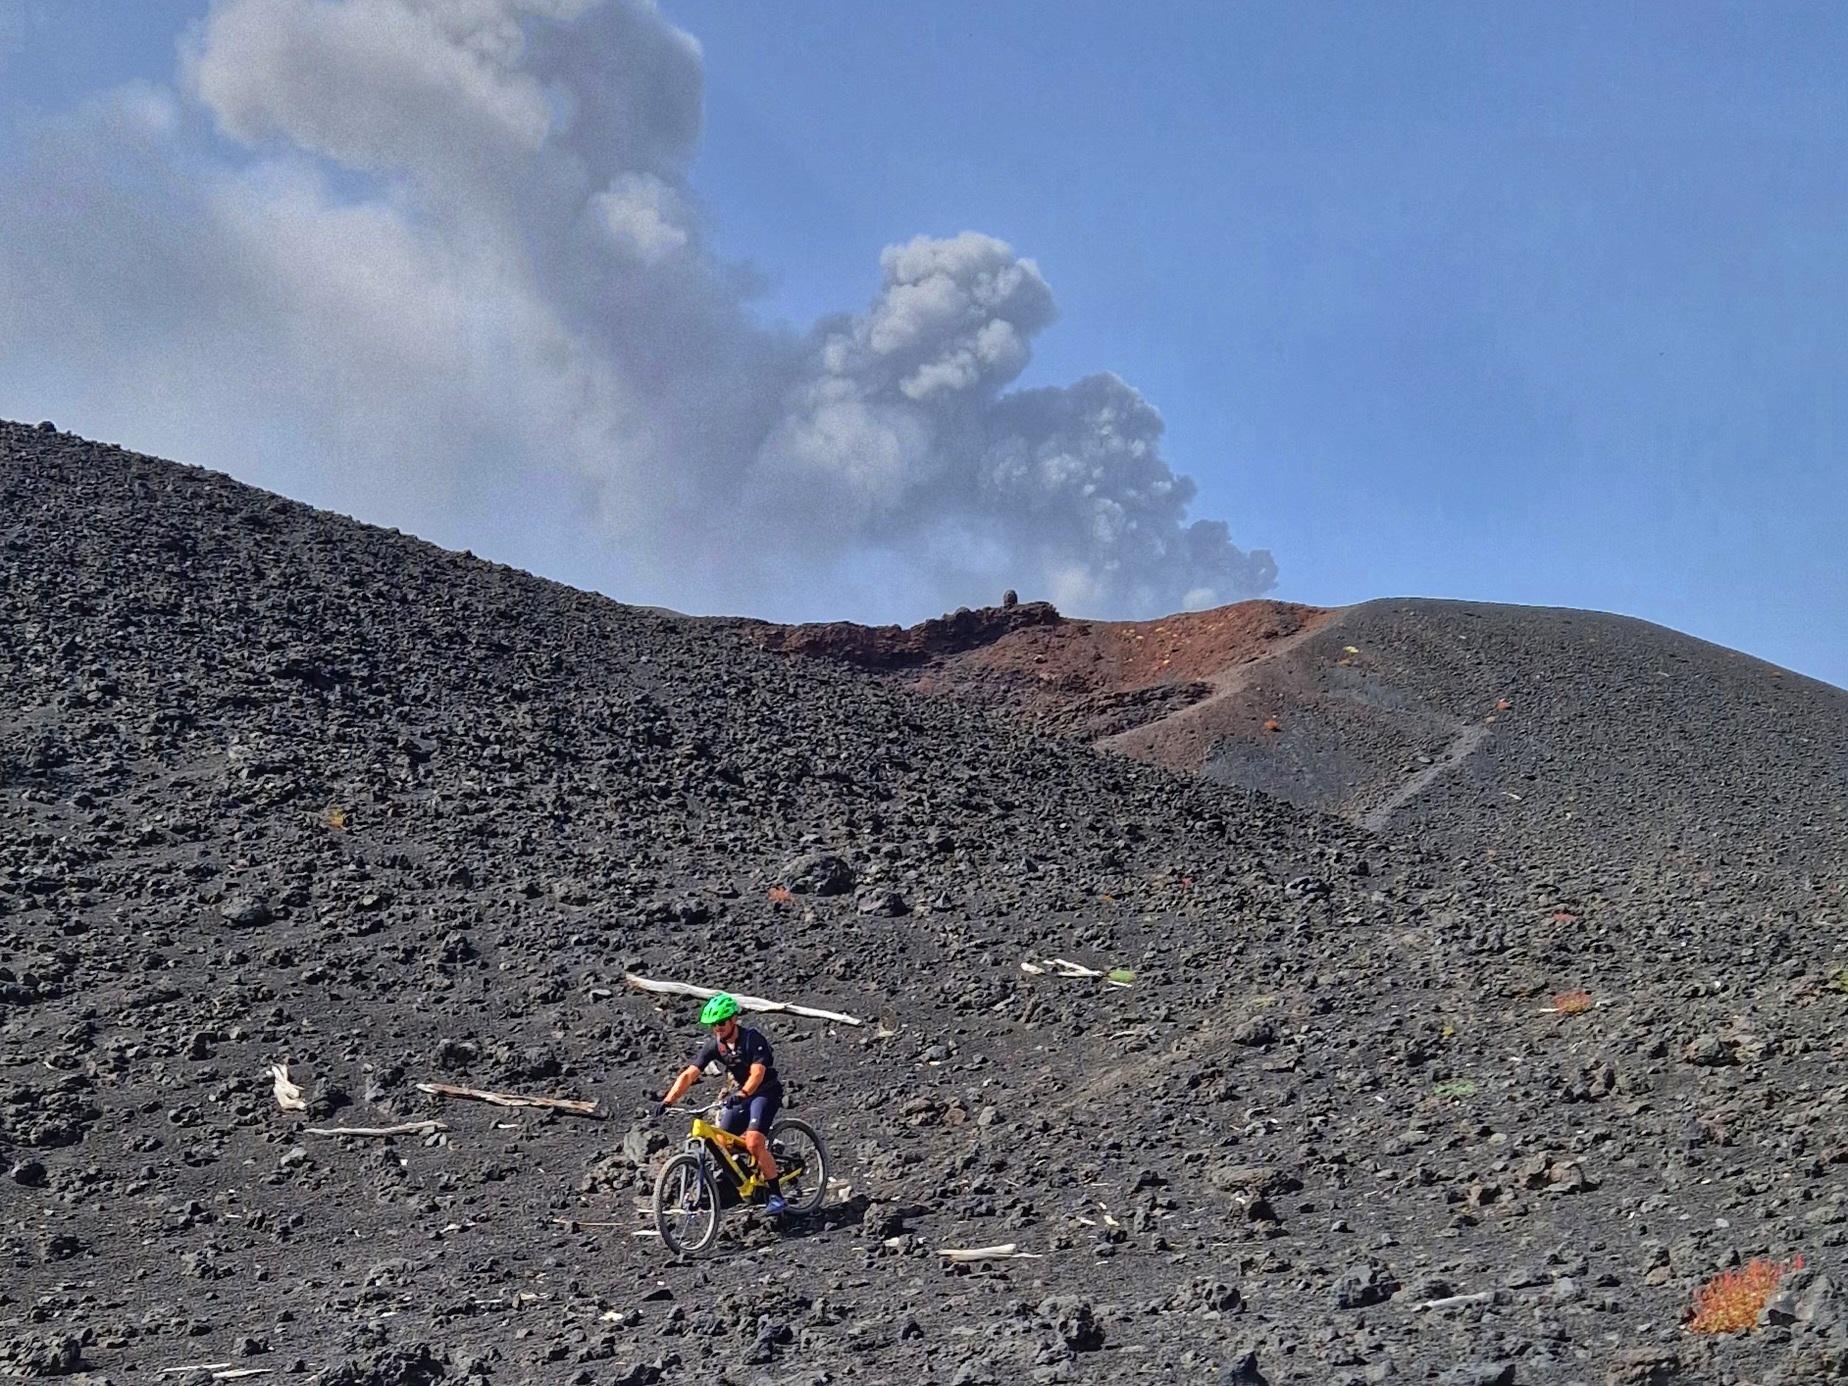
[718, 1010]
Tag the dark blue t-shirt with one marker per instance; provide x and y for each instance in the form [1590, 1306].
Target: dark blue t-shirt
[751, 1048]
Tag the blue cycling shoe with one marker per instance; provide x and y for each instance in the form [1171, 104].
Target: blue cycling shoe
[775, 1205]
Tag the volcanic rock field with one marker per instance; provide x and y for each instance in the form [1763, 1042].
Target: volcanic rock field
[283, 789]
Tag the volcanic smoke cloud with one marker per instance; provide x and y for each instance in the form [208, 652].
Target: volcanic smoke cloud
[436, 262]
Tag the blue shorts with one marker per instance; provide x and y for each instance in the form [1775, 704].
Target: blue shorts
[758, 1112]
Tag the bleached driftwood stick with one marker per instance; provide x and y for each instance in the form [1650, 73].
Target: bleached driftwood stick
[288, 1096]
[1007, 1251]
[408, 1128]
[749, 1003]
[1065, 967]
[220, 1371]
[1456, 1301]
[511, 1099]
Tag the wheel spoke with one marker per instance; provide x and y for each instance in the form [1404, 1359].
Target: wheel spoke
[801, 1161]
[686, 1206]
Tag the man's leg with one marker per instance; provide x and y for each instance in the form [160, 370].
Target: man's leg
[732, 1117]
[757, 1137]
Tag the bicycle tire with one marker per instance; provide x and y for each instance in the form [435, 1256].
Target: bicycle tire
[813, 1190]
[672, 1187]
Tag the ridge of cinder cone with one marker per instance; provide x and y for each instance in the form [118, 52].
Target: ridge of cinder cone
[1482, 728]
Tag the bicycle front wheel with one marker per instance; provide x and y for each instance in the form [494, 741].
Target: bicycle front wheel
[802, 1164]
[686, 1205]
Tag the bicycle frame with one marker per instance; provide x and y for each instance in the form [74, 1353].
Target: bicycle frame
[707, 1139]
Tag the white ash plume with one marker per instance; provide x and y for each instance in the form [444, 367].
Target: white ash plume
[438, 263]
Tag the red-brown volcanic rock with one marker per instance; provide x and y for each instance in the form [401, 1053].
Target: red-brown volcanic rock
[1084, 678]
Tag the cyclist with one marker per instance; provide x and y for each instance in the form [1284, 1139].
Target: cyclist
[745, 1055]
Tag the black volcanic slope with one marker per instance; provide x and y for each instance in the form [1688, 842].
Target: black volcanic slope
[279, 787]
[1627, 754]
[1639, 756]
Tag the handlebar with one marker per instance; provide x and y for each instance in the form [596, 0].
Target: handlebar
[710, 1109]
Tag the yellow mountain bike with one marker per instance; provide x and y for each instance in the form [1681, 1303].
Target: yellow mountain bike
[715, 1173]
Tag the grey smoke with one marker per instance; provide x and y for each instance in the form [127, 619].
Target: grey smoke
[437, 262]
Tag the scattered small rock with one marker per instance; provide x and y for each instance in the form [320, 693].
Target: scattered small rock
[1365, 1282]
[246, 912]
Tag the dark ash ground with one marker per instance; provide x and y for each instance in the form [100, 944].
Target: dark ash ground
[1333, 1094]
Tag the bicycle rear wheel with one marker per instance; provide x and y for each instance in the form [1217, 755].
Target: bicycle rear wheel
[686, 1205]
[802, 1164]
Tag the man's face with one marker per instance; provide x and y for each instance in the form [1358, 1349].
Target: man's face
[727, 1032]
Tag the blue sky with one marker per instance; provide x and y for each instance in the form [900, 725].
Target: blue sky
[1539, 304]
